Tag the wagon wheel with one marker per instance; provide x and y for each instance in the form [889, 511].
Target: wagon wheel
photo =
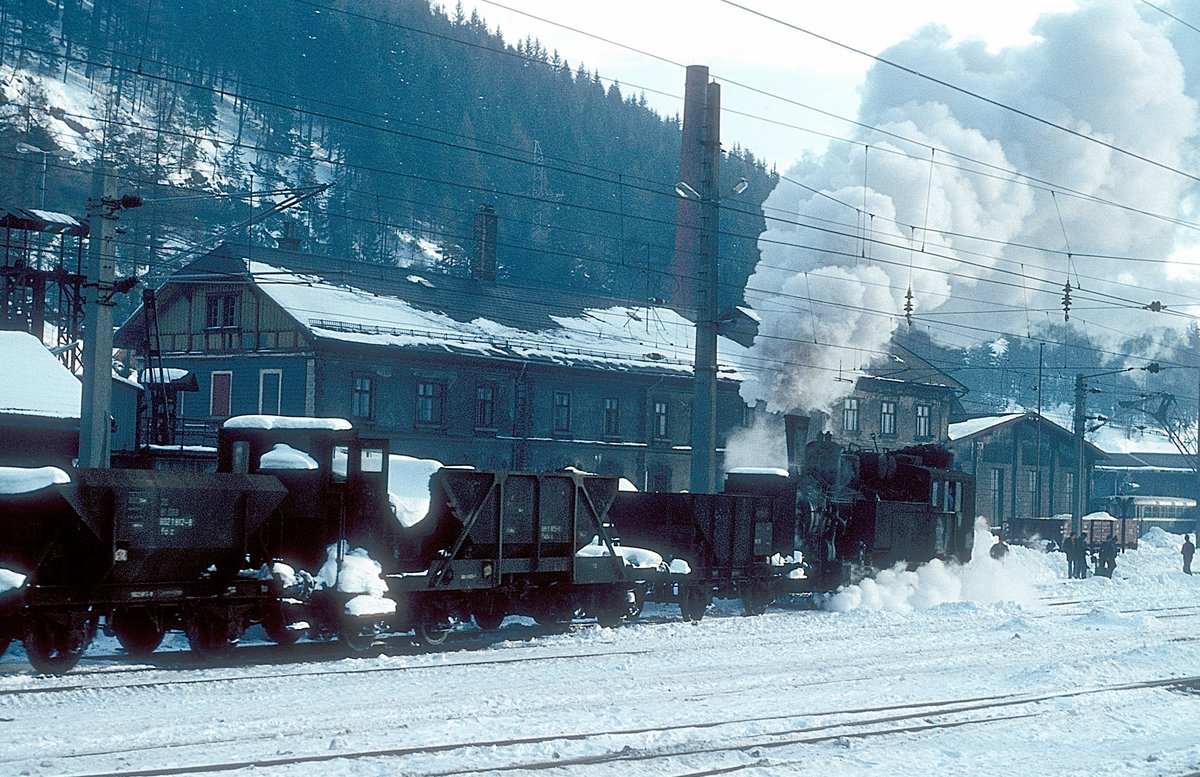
[490, 614]
[276, 624]
[634, 609]
[694, 603]
[55, 644]
[555, 612]
[433, 629]
[755, 598]
[8, 628]
[211, 635]
[612, 608]
[138, 631]
[358, 636]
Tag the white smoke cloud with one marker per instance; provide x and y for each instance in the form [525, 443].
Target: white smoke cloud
[1107, 70]
[761, 445]
[982, 579]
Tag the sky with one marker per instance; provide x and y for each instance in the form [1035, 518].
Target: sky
[1022, 149]
[738, 46]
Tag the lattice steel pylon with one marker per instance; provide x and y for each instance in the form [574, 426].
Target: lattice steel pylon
[41, 278]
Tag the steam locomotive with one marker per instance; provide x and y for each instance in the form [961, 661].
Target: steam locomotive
[299, 531]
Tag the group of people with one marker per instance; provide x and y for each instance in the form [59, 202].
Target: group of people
[1077, 548]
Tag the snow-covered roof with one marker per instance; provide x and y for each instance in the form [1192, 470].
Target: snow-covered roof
[962, 429]
[902, 365]
[284, 456]
[33, 382]
[409, 316]
[336, 300]
[162, 375]
[1147, 461]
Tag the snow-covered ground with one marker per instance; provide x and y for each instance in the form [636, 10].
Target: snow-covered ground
[1091, 676]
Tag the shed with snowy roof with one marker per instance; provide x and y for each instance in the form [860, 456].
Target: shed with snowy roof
[458, 368]
[1146, 474]
[1024, 466]
[39, 404]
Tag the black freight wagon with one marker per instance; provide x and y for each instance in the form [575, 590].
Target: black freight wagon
[734, 544]
[146, 551]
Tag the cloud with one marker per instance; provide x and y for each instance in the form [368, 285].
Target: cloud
[966, 237]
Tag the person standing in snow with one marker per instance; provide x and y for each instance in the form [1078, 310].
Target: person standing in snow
[1107, 561]
[1189, 550]
[1081, 554]
[999, 550]
[1068, 547]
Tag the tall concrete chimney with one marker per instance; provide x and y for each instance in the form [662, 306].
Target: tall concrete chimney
[688, 218]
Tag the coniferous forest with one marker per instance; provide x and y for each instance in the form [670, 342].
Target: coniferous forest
[416, 115]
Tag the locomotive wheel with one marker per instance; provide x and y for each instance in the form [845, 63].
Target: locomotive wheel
[210, 636]
[55, 646]
[137, 631]
[694, 603]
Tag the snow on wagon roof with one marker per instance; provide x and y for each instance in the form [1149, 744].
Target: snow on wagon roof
[286, 422]
[22, 480]
[34, 382]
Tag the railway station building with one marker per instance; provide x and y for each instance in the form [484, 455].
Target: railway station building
[458, 368]
[900, 401]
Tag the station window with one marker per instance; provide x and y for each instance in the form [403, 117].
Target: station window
[887, 417]
[612, 416]
[662, 427]
[924, 428]
[430, 397]
[221, 311]
[562, 411]
[362, 396]
[485, 407]
[850, 415]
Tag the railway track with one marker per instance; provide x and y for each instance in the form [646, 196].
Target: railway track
[465, 649]
[830, 725]
[121, 681]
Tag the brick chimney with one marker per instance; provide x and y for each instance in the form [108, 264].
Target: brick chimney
[289, 241]
[483, 259]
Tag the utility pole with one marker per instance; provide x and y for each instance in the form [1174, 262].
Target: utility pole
[101, 287]
[1037, 478]
[1081, 419]
[1077, 496]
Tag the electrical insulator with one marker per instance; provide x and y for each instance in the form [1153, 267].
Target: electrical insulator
[1066, 301]
[908, 305]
